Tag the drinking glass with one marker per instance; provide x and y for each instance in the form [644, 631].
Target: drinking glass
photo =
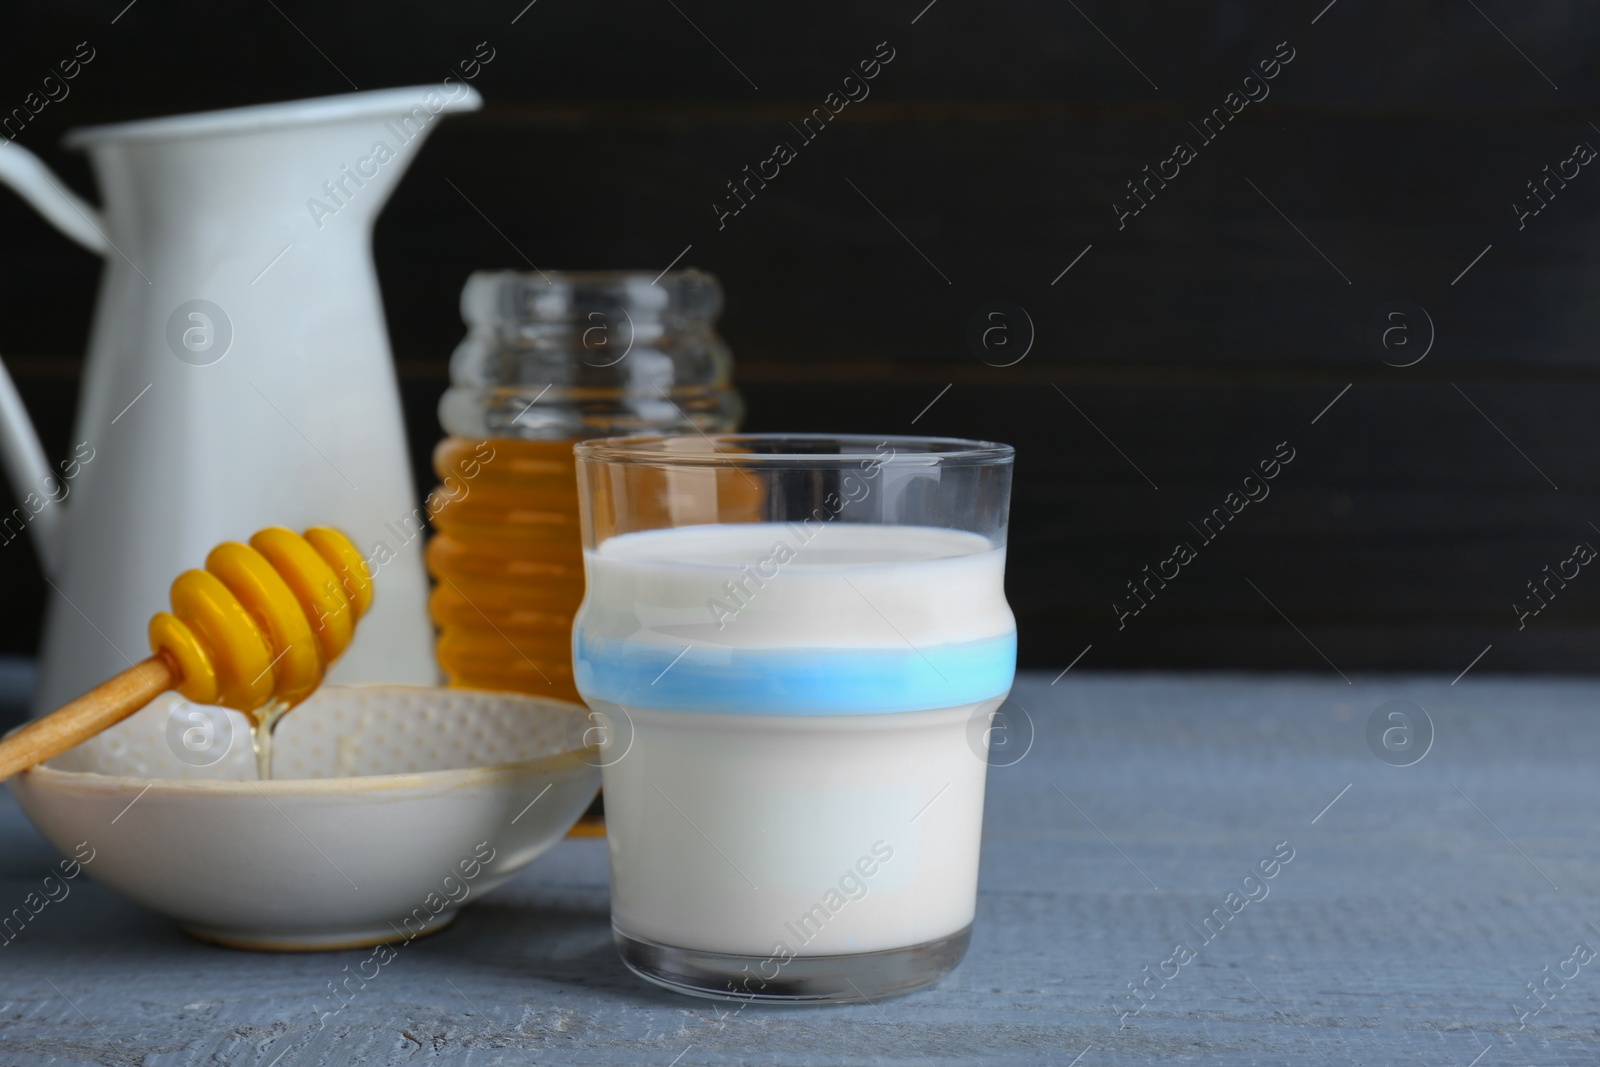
[794, 645]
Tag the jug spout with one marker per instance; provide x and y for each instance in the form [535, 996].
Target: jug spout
[379, 150]
[286, 170]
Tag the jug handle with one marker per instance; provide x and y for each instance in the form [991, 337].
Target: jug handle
[28, 470]
[68, 212]
[21, 454]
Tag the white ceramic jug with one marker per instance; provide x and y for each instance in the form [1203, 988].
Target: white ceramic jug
[238, 375]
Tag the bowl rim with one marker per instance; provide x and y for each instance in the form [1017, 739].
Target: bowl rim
[555, 765]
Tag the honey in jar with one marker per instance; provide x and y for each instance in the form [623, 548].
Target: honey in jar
[551, 359]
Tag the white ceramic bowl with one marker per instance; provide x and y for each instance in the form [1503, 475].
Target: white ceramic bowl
[390, 806]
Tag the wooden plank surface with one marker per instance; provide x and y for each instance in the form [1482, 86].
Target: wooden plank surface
[1418, 904]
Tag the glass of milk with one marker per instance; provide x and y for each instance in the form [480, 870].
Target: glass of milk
[794, 646]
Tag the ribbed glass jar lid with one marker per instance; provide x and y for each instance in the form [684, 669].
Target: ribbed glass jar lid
[552, 355]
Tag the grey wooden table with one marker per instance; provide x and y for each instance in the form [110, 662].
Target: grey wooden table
[1419, 904]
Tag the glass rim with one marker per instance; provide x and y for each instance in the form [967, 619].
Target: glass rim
[908, 450]
[591, 277]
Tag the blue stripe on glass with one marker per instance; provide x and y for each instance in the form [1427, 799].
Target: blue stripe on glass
[811, 681]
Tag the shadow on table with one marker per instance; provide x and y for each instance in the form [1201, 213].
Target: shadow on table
[531, 946]
[568, 944]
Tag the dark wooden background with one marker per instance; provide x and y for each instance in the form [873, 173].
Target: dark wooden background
[1195, 339]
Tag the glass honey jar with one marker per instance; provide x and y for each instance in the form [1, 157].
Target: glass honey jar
[550, 359]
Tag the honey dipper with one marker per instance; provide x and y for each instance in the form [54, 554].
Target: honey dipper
[254, 631]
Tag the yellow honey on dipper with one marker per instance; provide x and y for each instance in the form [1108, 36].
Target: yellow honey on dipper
[254, 631]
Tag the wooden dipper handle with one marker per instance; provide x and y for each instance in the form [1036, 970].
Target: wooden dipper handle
[105, 705]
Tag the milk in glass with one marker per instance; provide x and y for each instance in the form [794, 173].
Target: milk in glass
[797, 761]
